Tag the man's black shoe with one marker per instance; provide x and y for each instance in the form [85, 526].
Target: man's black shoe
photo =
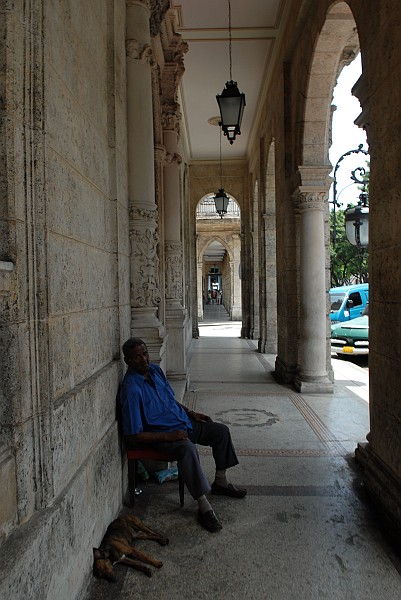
[209, 521]
[230, 490]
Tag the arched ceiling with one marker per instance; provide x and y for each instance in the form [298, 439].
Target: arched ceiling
[215, 252]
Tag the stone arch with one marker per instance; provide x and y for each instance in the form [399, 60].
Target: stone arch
[336, 47]
[215, 238]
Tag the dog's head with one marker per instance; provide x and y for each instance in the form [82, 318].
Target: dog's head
[102, 566]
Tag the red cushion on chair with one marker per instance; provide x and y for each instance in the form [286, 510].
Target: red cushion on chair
[146, 453]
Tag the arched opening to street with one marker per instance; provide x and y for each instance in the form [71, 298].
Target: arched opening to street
[218, 257]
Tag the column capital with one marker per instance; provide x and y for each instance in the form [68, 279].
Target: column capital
[307, 199]
[312, 187]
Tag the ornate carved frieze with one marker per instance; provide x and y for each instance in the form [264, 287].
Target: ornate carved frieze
[136, 212]
[144, 240]
[174, 48]
[174, 270]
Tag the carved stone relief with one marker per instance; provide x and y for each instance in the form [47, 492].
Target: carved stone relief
[144, 240]
[174, 267]
[135, 50]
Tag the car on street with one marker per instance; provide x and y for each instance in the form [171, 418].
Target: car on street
[348, 301]
[351, 337]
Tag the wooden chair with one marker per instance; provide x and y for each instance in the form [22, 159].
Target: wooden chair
[144, 452]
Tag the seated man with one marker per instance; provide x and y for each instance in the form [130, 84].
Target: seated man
[152, 415]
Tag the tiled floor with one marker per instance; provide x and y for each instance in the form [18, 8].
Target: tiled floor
[304, 531]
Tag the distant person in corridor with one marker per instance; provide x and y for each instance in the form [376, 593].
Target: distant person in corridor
[152, 415]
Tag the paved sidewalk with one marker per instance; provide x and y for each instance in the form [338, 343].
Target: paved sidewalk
[304, 531]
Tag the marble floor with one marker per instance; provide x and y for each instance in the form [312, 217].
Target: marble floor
[305, 530]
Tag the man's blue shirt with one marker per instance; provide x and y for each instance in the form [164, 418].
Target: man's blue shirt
[147, 407]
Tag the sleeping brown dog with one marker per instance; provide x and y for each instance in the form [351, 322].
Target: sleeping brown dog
[117, 547]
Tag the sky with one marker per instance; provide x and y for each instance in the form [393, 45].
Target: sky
[346, 135]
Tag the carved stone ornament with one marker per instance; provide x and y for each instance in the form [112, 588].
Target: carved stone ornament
[139, 214]
[145, 282]
[173, 159]
[174, 268]
[311, 200]
[158, 11]
[171, 117]
[138, 51]
[181, 48]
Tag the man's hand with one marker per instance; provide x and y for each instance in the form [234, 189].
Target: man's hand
[174, 436]
[199, 417]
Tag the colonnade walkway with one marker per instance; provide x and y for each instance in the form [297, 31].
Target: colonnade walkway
[305, 530]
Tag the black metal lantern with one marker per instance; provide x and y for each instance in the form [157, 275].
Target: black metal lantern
[231, 104]
[231, 101]
[357, 223]
[221, 201]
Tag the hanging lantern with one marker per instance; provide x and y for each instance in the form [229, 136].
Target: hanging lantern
[231, 102]
[221, 201]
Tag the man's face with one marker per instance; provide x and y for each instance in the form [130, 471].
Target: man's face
[139, 359]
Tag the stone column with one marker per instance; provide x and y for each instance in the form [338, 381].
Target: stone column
[175, 312]
[199, 287]
[312, 203]
[173, 49]
[236, 308]
[143, 216]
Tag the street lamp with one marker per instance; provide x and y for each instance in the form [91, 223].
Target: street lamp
[356, 218]
[357, 222]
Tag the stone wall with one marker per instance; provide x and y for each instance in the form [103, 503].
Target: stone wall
[379, 91]
[65, 287]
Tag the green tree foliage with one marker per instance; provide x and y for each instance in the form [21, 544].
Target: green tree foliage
[348, 263]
